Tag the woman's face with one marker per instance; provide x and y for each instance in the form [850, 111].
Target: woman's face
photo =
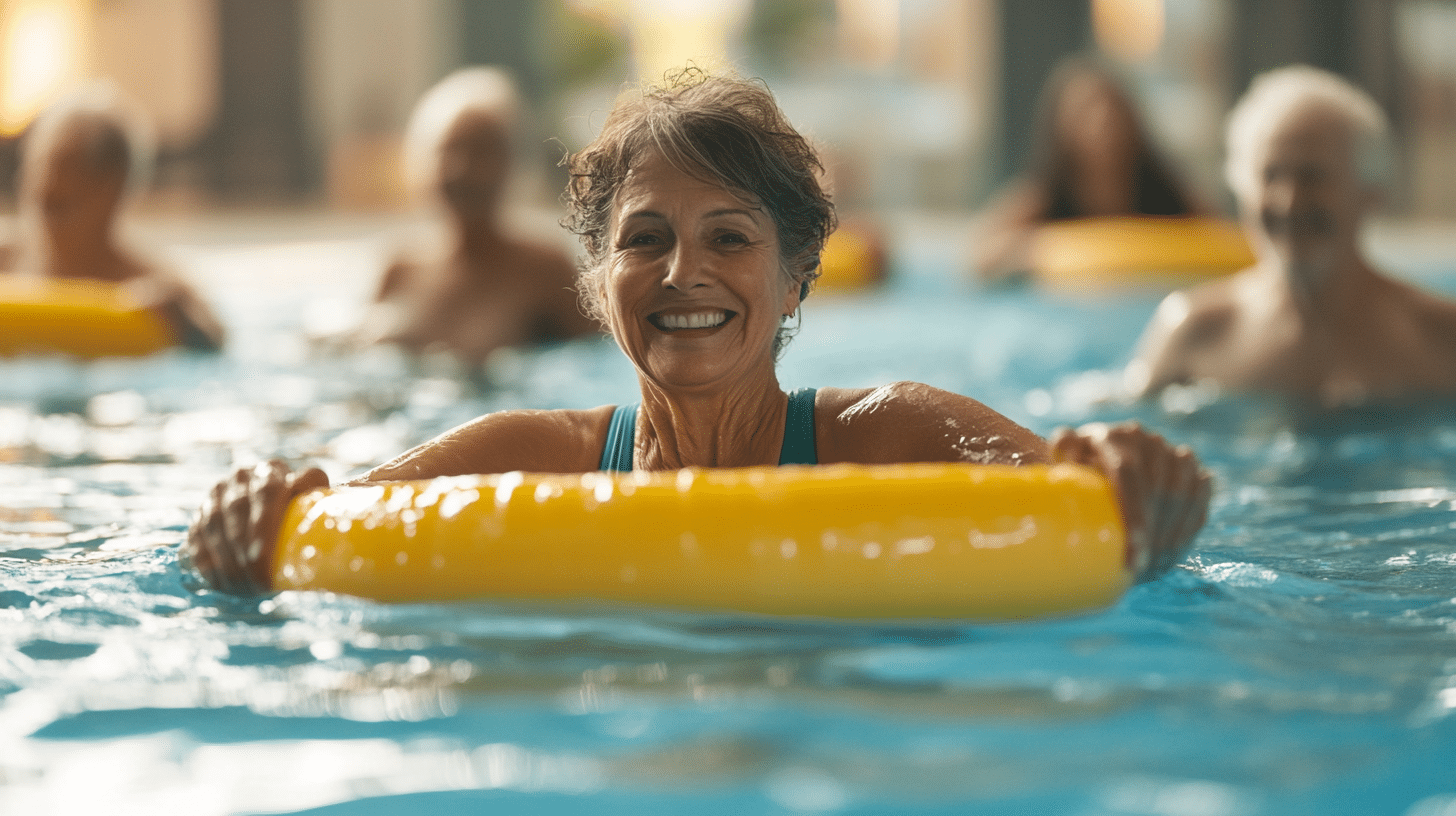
[694, 290]
[1094, 123]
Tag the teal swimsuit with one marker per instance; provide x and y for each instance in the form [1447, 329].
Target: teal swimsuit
[798, 446]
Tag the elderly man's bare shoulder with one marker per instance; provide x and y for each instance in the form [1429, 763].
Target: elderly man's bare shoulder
[540, 441]
[1187, 325]
[1200, 315]
[914, 422]
[1423, 324]
[553, 274]
[1434, 313]
[542, 261]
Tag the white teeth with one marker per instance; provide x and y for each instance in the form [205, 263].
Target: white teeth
[693, 320]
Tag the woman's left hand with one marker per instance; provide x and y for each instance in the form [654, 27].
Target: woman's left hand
[1162, 490]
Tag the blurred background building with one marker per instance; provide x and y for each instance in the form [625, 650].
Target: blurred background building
[920, 104]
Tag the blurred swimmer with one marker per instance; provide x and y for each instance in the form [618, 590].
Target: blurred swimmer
[83, 159]
[1093, 157]
[485, 289]
[1307, 156]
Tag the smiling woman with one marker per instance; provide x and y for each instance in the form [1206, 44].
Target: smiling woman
[722, 135]
[703, 220]
[692, 288]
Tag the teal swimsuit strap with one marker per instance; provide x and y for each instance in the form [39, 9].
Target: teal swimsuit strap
[798, 448]
[621, 434]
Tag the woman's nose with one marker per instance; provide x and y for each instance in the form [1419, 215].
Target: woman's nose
[684, 268]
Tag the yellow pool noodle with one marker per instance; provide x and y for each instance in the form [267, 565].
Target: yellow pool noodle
[1137, 251]
[920, 541]
[83, 318]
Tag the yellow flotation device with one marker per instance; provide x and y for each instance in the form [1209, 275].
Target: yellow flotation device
[84, 318]
[1146, 251]
[852, 258]
[920, 541]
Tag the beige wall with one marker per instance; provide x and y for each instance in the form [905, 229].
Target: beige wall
[366, 62]
[163, 54]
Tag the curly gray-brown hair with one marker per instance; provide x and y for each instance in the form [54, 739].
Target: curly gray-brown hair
[723, 129]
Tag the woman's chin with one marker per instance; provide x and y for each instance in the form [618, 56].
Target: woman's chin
[694, 371]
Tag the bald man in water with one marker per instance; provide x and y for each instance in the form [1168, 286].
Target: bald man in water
[1307, 153]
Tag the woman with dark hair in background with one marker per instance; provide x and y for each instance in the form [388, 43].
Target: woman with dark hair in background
[1093, 157]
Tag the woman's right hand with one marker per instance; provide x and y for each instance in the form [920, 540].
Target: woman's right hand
[232, 541]
[1162, 490]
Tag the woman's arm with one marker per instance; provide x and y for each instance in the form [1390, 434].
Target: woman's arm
[1001, 251]
[196, 325]
[231, 542]
[914, 422]
[535, 441]
[1162, 491]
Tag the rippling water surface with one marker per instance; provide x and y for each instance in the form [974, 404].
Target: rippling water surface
[1301, 661]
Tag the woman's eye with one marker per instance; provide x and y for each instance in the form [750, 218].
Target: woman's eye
[644, 239]
[731, 238]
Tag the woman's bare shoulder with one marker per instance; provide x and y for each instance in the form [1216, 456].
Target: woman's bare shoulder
[555, 441]
[914, 422]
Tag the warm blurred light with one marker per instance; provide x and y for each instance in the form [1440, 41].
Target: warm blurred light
[609, 12]
[163, 55]
[1131, 30]
[869, 31]
[41, 50]
[668, 34]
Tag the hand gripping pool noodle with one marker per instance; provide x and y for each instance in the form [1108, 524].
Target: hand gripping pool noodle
[84, 318]
[840, 541]
[1138, 251]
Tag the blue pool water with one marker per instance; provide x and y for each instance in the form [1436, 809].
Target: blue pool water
[1301, 661]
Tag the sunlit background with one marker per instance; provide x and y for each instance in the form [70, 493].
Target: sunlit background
[920, 104]
[1302, 662]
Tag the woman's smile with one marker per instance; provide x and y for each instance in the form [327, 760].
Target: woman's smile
[676, 321]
